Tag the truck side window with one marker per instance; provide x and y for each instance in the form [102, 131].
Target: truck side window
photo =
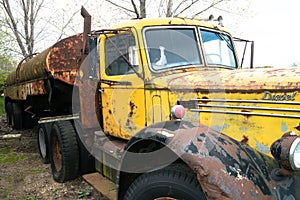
[117, 54]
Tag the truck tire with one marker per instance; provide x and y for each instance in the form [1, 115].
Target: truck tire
[43, 144]
[64, 152]
[9, 113]
[16, 117]
[172, 182]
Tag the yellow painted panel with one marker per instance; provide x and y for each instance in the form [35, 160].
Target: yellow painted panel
[257, 131]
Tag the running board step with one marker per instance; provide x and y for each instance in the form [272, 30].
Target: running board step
[102, 185]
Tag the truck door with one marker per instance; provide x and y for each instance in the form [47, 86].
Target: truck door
[122, 89]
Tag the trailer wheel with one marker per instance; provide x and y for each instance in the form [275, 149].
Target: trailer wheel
[43, 144]
[64, 152]
[169, 183]
[16, 116]
[9, 113]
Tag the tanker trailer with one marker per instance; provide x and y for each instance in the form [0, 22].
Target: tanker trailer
[43, 84]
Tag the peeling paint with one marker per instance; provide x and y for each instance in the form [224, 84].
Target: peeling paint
[283, 127]
[262, 147]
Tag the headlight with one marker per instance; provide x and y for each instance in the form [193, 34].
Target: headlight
[286, 151]
[295, 154]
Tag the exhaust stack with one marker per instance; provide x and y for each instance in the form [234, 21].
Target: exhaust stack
[86, 27]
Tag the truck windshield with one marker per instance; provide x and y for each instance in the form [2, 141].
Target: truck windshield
[172, 47]
[218, 49]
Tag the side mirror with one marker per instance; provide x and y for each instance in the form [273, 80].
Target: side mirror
[133, 56]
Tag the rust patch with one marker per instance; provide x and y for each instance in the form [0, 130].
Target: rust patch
[129, 122]
[245, 140]
[234, 80]
[65, 58]
[20, 92]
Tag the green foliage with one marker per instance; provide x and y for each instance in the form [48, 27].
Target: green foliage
[295, 64]
[84, 193]
[10, 156]
[6, 66]
[35, 197]
[2, 110]
[3, 77]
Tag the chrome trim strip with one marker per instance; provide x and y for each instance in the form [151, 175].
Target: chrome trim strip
[58, 118]
[247, 101]
[246, 113]
[249, 107]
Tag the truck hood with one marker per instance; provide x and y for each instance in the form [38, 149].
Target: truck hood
[232, 80]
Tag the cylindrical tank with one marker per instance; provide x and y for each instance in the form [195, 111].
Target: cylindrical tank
[61, 61]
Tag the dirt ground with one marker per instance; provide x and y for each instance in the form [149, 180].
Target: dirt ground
[24, 177]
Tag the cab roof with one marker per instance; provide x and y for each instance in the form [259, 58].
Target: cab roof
[146, 22]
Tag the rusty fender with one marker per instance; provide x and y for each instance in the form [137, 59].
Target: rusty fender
[225, 168]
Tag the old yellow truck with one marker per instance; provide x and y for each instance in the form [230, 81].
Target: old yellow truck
[161, 109]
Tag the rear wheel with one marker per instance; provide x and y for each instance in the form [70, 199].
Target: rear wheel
[64, 153]
[16, 117]
[43, 144]
[172, 182]
[9, 113]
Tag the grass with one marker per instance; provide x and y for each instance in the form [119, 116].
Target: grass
[10, 156]
[2, 110]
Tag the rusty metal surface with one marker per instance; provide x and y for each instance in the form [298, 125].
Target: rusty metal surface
[21, 91]
[102, 184]
[61, 61]
[225, 168]
[31, 70]
[64, 59]
[245, 80]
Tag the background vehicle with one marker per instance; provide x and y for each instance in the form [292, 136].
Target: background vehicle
[110, 105]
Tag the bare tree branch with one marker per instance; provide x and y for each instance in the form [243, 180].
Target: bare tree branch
[66, 24]
[193, 2]
[179, 5]
[13, 25]
[119, 6]
[211, 5]
[135, 9]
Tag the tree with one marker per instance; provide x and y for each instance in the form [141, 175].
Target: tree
[167, 8]
[32, 22]
[24, 36]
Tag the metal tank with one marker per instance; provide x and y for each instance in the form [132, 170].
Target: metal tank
[61, 61]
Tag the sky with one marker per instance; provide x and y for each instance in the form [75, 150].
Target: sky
[274, 28]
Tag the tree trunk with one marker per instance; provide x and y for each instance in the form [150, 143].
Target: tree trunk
[143, 8]
[169, 8]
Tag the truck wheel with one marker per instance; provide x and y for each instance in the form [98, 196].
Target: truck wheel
[9, 113]
[169, 183]
[43, 144]
[64, 152]
[16, 117]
